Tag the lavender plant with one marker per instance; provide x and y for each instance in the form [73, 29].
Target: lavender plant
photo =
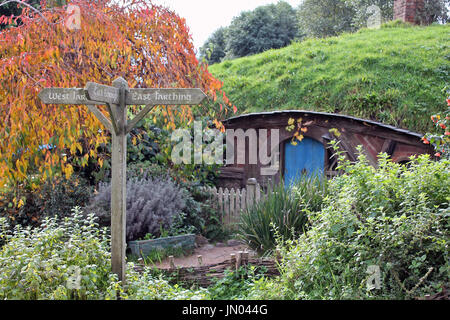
[152, 205]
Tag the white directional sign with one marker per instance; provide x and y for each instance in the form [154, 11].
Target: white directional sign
[117, 97]
[164, 96]
[102, 93]
[74, 96]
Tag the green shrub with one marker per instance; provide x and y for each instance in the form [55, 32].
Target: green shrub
[393, 216]
[145, 286]
[284, 211]
[236, 284]
[55, 197]
[37, 263]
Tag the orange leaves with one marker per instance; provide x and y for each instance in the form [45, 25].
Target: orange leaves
[300, 127]
[146, 44]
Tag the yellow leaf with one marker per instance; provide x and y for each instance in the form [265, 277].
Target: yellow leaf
[68, 170]
[291, 121]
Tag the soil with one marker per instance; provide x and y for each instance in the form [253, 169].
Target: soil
[211, 254]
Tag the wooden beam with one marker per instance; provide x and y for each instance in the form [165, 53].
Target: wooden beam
[119, 184]
[101, 117]
[139, 117]
[389, 147]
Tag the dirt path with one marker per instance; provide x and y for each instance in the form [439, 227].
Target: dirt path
[211, 254]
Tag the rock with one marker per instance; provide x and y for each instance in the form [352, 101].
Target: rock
[220, 245]
[233, 243]
[200, 240]
[208, 247]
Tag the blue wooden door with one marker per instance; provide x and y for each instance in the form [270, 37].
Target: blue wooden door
[306, 158]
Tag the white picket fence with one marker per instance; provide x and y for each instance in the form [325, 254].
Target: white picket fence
[230, 203]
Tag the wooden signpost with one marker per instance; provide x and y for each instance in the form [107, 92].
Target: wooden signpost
[116, 98]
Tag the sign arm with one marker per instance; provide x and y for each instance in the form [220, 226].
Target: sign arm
[139, 117]
[101, 117]
[113, 118]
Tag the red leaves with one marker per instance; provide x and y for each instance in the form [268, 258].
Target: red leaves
[146, 44]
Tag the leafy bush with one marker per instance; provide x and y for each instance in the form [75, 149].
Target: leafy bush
[55, 197]
[151, 205]
[236, 284]
[37, 263]
[284, 211]
[202, 214]
[441, 139]
[393, 216]
[144, 286]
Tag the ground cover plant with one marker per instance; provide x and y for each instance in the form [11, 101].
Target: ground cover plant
[396, 217]
[57, 196]
[394, 74]
[284, 212]
[70, 259]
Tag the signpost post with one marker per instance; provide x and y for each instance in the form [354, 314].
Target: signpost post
[116, 98]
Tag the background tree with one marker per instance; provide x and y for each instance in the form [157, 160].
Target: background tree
[146, 44]
[323, 18]
[267, 27]
[13, 9]
[433, 11]
[214, 49]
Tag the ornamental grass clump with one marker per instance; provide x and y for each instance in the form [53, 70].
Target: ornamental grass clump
[283, 213]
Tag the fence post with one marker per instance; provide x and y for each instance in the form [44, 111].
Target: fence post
[251, 191]
[226, 206]
[220, 202]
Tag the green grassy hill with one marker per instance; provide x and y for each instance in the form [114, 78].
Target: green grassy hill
[395, 75]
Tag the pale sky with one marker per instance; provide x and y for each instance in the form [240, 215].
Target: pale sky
[203, 17]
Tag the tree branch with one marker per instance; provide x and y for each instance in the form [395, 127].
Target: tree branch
[28, 6]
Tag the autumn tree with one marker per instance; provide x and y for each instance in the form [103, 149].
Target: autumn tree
[146, 44]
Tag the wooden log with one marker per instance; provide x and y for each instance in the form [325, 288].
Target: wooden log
[233, 260]
[239, 260]
[244, 258]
